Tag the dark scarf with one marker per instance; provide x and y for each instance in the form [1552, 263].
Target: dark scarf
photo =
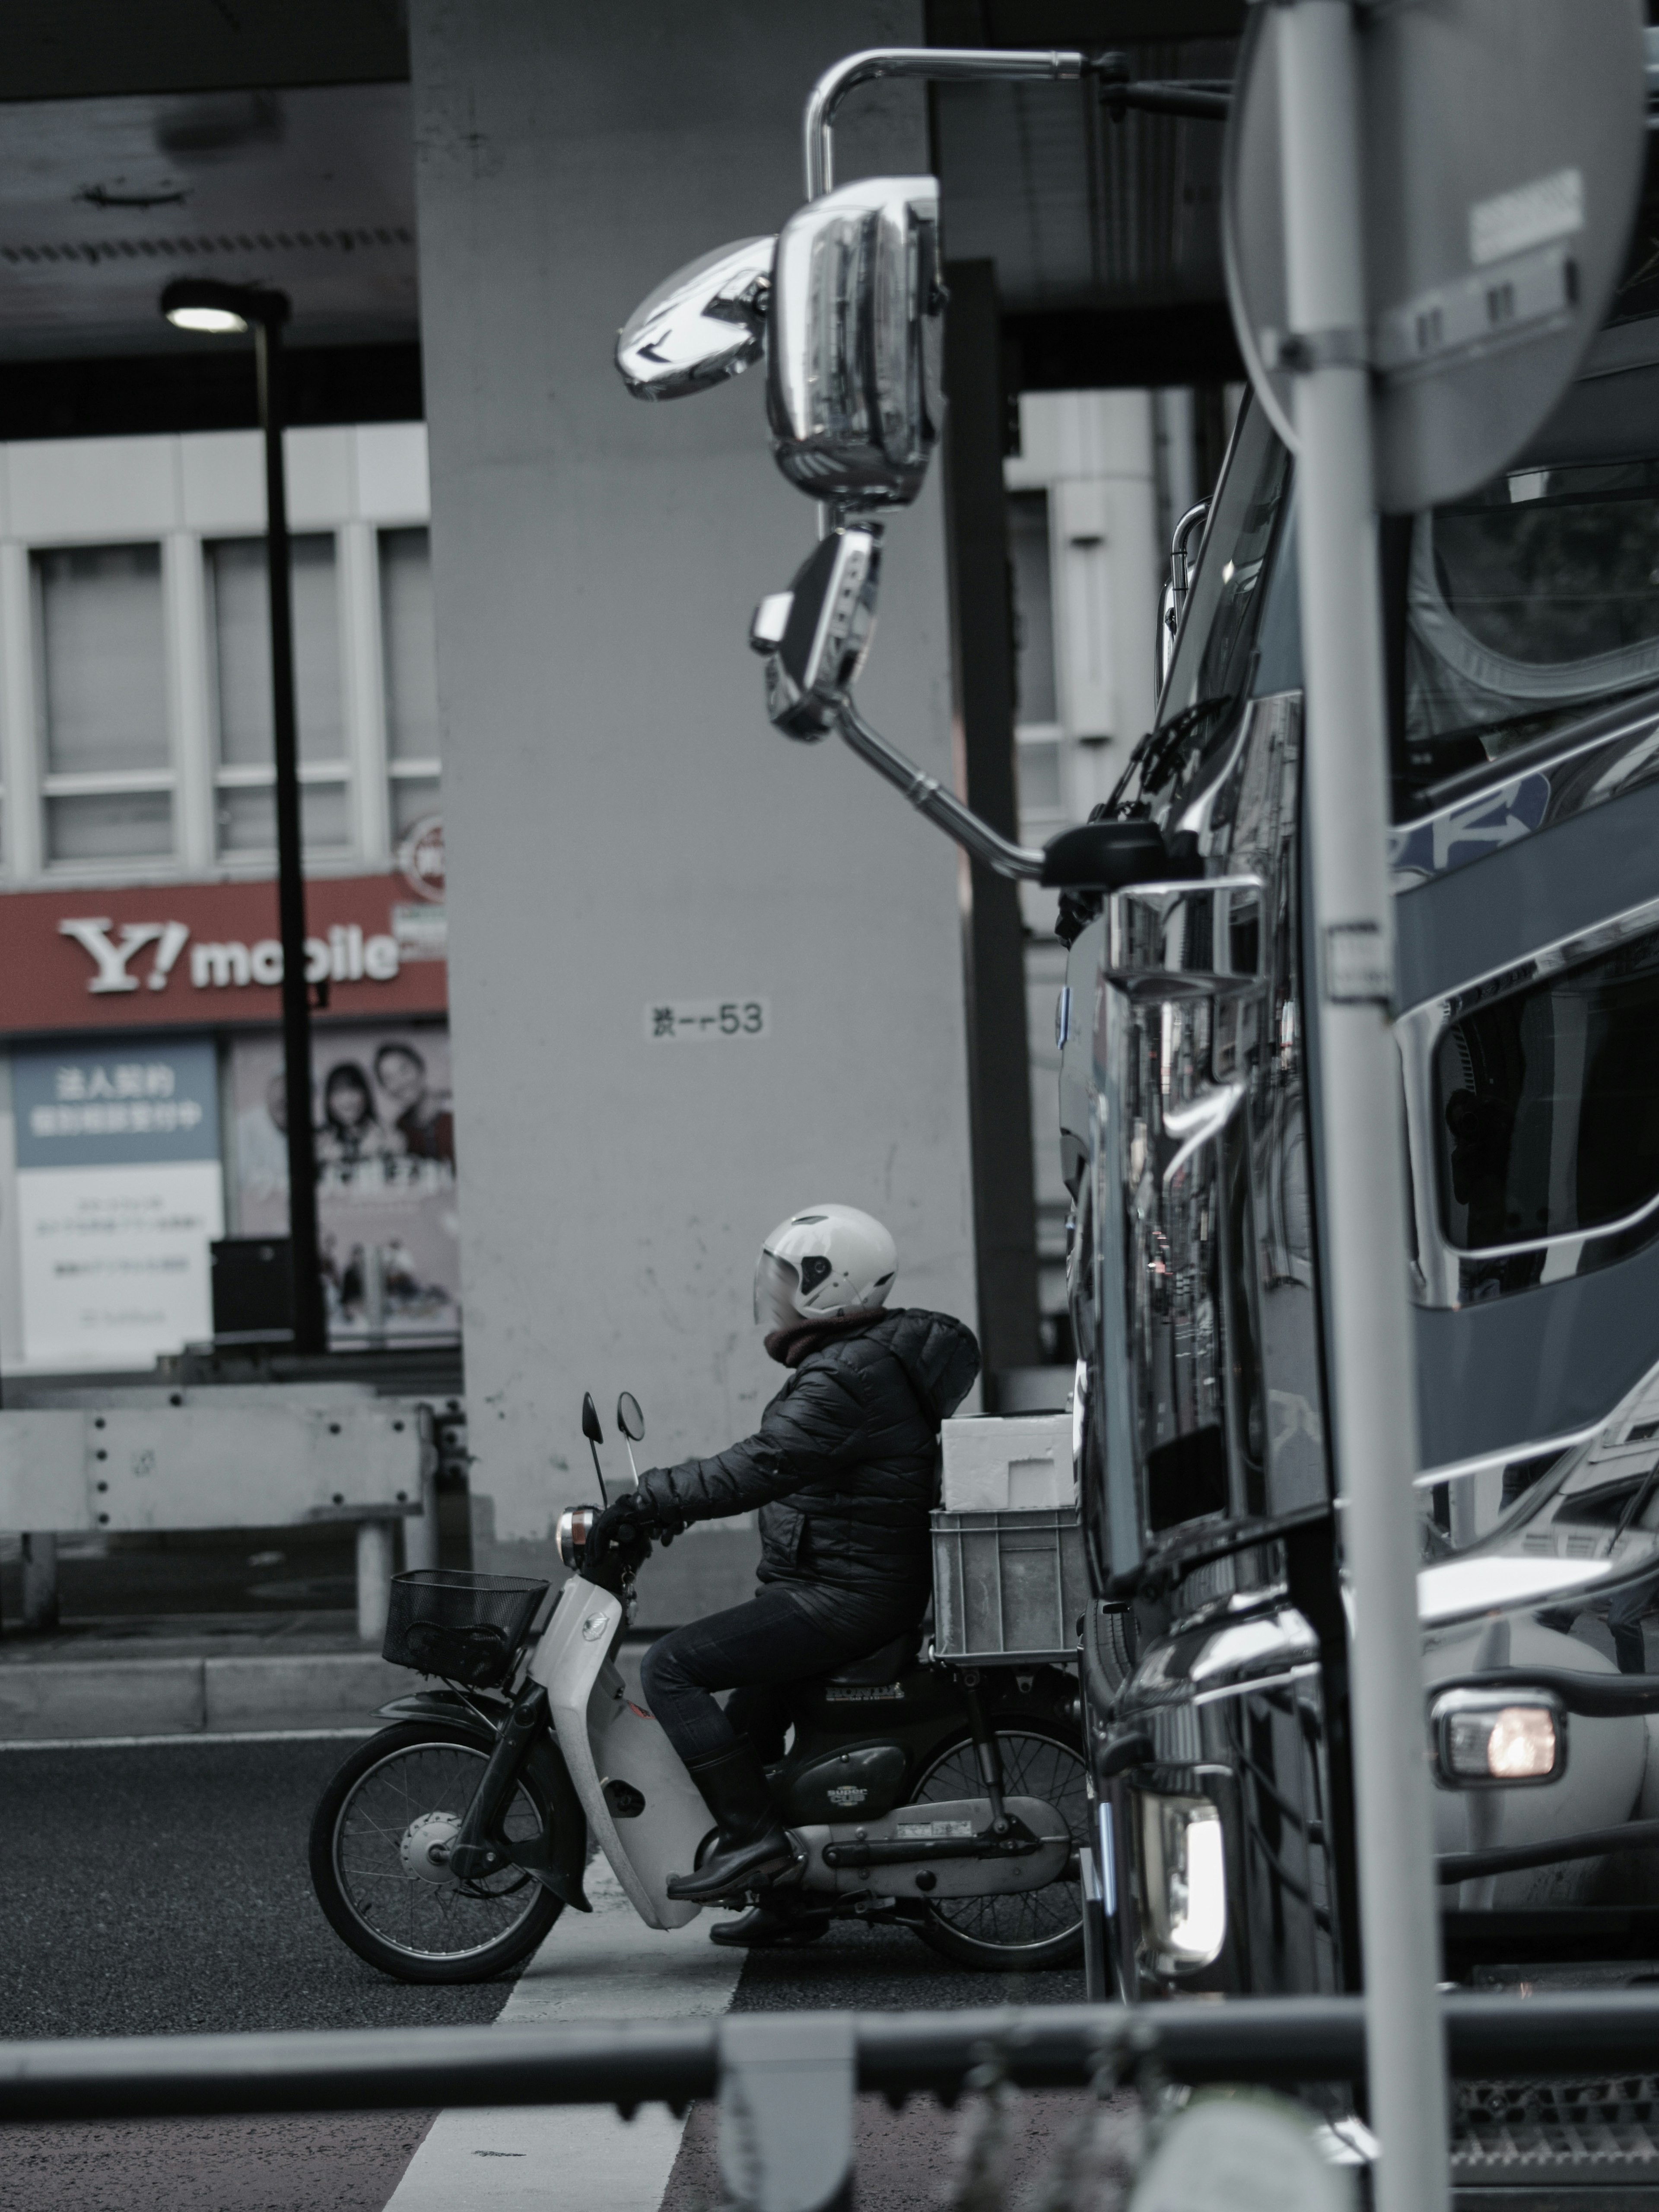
[789, 1346]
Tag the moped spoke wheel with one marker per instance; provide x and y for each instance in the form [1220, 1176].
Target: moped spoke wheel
[1022, 1930]
[379, 1861]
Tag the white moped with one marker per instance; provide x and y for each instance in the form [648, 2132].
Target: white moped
[949, 1798]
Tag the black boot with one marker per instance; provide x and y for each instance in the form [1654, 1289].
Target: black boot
[771, 1926]
[751, 1846]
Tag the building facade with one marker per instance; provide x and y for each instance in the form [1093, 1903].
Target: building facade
[144, 1104]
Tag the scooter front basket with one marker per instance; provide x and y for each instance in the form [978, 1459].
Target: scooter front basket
[466, 1628]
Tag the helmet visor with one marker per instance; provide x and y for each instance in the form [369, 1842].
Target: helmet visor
[777, 1283]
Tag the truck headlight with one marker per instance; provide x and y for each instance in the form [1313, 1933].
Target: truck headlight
[1185, 1869]
[1487, 1738]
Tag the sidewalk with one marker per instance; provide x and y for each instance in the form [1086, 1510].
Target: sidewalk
[192, 1674]
[204, 1674]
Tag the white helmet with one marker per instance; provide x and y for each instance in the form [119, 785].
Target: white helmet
[830, 1260]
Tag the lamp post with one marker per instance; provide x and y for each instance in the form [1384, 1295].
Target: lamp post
[221, 310]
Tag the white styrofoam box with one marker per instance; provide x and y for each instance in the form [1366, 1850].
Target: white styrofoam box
[1020, 1465]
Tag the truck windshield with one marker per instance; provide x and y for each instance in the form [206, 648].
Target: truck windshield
[1527, 606]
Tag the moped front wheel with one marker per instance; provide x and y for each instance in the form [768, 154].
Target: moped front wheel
[377, 1851]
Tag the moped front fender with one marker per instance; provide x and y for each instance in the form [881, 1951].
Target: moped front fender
[560, 1869]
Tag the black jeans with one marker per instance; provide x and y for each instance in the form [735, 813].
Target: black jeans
[787, 1633]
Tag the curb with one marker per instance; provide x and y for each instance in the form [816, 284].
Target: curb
[74, 1699]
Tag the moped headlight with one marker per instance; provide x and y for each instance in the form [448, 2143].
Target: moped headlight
[1184, 1865]
[573, 1525]
[1490, 1739]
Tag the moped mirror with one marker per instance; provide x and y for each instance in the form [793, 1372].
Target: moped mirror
[590, 1428]
[855, 339]
[705, 323]
[816, 634]
[630, 1420]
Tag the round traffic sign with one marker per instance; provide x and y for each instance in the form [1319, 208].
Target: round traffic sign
[1504, 142]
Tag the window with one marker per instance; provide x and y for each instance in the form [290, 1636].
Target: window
[1038, 765]
[1034, 696]
[1526, 606]
[108, 779]
[411, 679]
[240, 619]
[1548, 1102]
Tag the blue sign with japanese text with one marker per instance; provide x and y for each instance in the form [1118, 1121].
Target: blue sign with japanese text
[132, 1103]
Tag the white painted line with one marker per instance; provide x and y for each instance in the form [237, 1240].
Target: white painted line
[198, 1736]
[605, 1966]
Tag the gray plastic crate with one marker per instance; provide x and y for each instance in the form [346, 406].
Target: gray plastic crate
[1008, 1586]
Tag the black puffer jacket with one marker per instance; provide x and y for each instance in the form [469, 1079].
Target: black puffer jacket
[842, 1464]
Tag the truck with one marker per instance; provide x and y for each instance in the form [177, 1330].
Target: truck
[1523, 632]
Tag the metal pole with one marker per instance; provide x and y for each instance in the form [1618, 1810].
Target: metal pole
[1373, 1388]
[310, 1317]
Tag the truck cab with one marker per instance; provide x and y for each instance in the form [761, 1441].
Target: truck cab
[1522, 630]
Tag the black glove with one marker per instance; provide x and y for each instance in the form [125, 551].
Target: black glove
[624, 1524]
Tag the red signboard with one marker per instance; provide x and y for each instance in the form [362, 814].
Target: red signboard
[168, 956]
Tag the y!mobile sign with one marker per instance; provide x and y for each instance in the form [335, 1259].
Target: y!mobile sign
[148, 955]
[119, 1193]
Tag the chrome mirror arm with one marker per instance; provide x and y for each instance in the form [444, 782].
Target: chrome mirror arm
[929, 797]
[1209, 98]
[941, 64]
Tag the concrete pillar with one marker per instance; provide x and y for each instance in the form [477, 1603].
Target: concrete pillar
[373, 1579]
[624, 830]
[41, 1581]
[1004, 1222]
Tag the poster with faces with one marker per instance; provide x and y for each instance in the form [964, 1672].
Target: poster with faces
[385, 1132]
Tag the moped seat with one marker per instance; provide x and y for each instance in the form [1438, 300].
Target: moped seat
[883, 1665]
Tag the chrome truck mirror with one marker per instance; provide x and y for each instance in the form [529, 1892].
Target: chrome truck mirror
[815, 635]
[855, 342]
[706, 323]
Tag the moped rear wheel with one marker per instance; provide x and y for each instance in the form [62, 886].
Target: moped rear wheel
[384, 1892]
[1020, 1931]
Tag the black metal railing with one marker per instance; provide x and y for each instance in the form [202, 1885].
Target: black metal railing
[785, 2081]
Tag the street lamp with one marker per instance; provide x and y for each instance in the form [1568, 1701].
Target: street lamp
[202, 304]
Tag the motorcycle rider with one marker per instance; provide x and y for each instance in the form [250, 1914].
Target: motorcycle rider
[843, 1470]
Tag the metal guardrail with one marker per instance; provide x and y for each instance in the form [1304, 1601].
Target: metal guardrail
[125, 1458]
[1277, 2041]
